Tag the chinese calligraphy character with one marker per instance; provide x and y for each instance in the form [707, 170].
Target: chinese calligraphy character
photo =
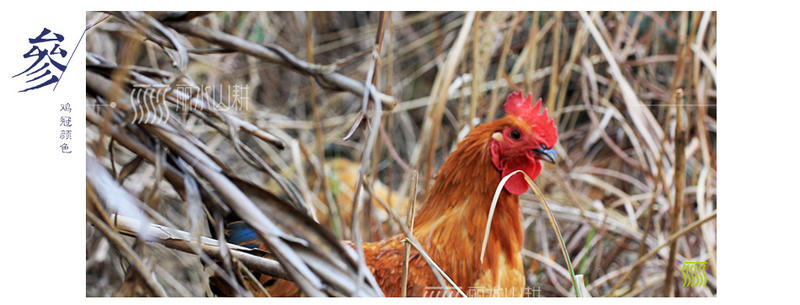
[40, 51]
[66, 133]
[66, 121]
[239, 95]
[65, 149]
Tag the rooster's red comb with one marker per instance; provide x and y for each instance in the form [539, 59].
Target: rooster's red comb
[540, 123]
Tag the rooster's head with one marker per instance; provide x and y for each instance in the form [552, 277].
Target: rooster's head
[521, 139]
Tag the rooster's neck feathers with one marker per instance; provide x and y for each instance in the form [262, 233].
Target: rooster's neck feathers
[453, 217]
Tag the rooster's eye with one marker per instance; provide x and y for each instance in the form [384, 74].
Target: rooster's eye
[514, 134]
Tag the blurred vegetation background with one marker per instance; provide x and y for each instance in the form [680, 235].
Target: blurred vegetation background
[633, 95]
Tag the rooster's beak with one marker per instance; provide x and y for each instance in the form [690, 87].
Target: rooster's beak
[548, 155]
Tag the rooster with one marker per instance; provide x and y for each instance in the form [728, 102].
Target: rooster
[450, 223]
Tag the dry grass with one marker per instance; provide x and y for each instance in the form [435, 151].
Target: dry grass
[633, 94]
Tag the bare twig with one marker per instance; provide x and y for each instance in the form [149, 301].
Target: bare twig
[325, 76]
[180, 240]
[129, 254]
[366, 154]
[410, 221]
[676, 211]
